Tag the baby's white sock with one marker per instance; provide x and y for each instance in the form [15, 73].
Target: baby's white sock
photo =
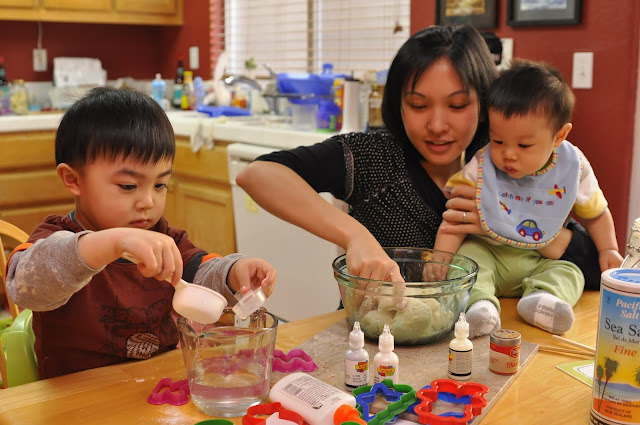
[547, 312]
[483, 318]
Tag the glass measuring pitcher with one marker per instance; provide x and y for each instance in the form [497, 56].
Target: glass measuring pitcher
[228, 363]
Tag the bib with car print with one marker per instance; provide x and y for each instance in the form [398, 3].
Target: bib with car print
[528, 212]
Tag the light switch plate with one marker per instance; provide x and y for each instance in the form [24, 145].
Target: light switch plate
[582, 70]
[194, 57]
[39, 60]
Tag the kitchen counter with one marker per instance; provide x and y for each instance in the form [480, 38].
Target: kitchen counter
[264, 131]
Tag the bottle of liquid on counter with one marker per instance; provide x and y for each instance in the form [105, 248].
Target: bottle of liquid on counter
[461, 351]
[158, 87]
[5, 96]
[356, 360]
[19, 97]
[632, 259]
[385, 362]
[199, 91]
[375, 107]
[311, 398]
[177, 85]
[188, 100]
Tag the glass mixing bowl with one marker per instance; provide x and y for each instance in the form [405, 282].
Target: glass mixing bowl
[422, 310]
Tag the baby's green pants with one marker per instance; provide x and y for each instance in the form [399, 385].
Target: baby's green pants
[506, 271]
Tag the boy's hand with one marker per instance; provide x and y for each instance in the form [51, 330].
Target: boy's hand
[157, 254]
[609, 259]
[249, 273]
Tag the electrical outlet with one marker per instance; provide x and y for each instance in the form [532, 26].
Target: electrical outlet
[582, 70]
[194, 57]
[39, 60]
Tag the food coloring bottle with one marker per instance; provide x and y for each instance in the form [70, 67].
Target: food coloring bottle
[356, 360]
[385, 362]
[461, 351]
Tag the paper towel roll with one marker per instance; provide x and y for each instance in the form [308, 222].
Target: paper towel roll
[351, 107]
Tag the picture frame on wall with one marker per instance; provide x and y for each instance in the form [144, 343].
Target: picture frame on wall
[478, 13]
[525, 13]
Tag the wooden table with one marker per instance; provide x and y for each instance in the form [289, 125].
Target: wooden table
[117, 394]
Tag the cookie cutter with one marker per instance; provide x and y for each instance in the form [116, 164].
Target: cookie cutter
[401, 398]
[295, 359]
[269, 409]
[471, 394]
[176, 393]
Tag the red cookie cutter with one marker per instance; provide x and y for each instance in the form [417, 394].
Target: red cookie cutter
[295, 359]
[473, 407]
[269, 409]
[176, 394]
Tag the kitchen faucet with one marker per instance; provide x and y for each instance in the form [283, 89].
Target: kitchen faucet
[236, 79]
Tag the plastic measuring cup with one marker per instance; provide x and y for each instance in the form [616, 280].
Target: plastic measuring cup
[248, 302]
[192, 301]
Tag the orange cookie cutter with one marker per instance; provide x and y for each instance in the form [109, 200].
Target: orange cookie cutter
[474, 401]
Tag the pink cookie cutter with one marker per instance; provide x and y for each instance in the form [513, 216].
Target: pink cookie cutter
[295, 359]
[176, 393]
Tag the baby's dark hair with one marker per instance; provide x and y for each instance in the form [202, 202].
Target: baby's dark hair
[111, 123]
[528, 87]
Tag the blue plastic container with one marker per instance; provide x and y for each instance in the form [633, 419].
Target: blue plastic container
[318, 86]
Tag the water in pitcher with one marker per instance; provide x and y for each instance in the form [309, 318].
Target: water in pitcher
[228, 363]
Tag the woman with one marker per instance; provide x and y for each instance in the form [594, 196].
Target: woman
[434, 111]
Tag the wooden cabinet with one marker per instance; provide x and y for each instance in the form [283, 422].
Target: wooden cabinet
[29, 186]
[199, 198]
[147, 12]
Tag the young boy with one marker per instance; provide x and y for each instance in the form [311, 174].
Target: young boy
[91, 308]
[528, 179]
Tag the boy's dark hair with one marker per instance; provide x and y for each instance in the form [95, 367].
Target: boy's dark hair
[469, 55]
[528, 87]
[111, 123]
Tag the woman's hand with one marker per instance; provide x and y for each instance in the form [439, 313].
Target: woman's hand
[367, 259]
[461, 215]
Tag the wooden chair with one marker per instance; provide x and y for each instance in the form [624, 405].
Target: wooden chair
[10, 236]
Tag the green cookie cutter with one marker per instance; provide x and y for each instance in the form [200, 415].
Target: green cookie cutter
[393, 409]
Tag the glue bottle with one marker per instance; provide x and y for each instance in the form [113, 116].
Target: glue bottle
[385, 362]
[461, 351]
[314, 400]
[356, 360]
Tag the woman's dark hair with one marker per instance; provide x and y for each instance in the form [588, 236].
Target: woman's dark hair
[111, 123]
[468, 53]
[529, 87]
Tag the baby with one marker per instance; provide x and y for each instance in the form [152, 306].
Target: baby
[528, 180]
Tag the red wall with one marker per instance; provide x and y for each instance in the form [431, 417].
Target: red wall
[603, 120]
[137, 51]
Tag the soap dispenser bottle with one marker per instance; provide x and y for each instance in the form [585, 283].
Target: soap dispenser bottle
[356, 360]
[385, 362]
[461, 351]
[158, 87]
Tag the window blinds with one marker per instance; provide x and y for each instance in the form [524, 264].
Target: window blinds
[300, 35]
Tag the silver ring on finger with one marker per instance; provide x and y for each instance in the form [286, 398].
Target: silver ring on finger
[464, 217]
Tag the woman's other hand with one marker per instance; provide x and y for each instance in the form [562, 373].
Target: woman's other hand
[461, 215]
